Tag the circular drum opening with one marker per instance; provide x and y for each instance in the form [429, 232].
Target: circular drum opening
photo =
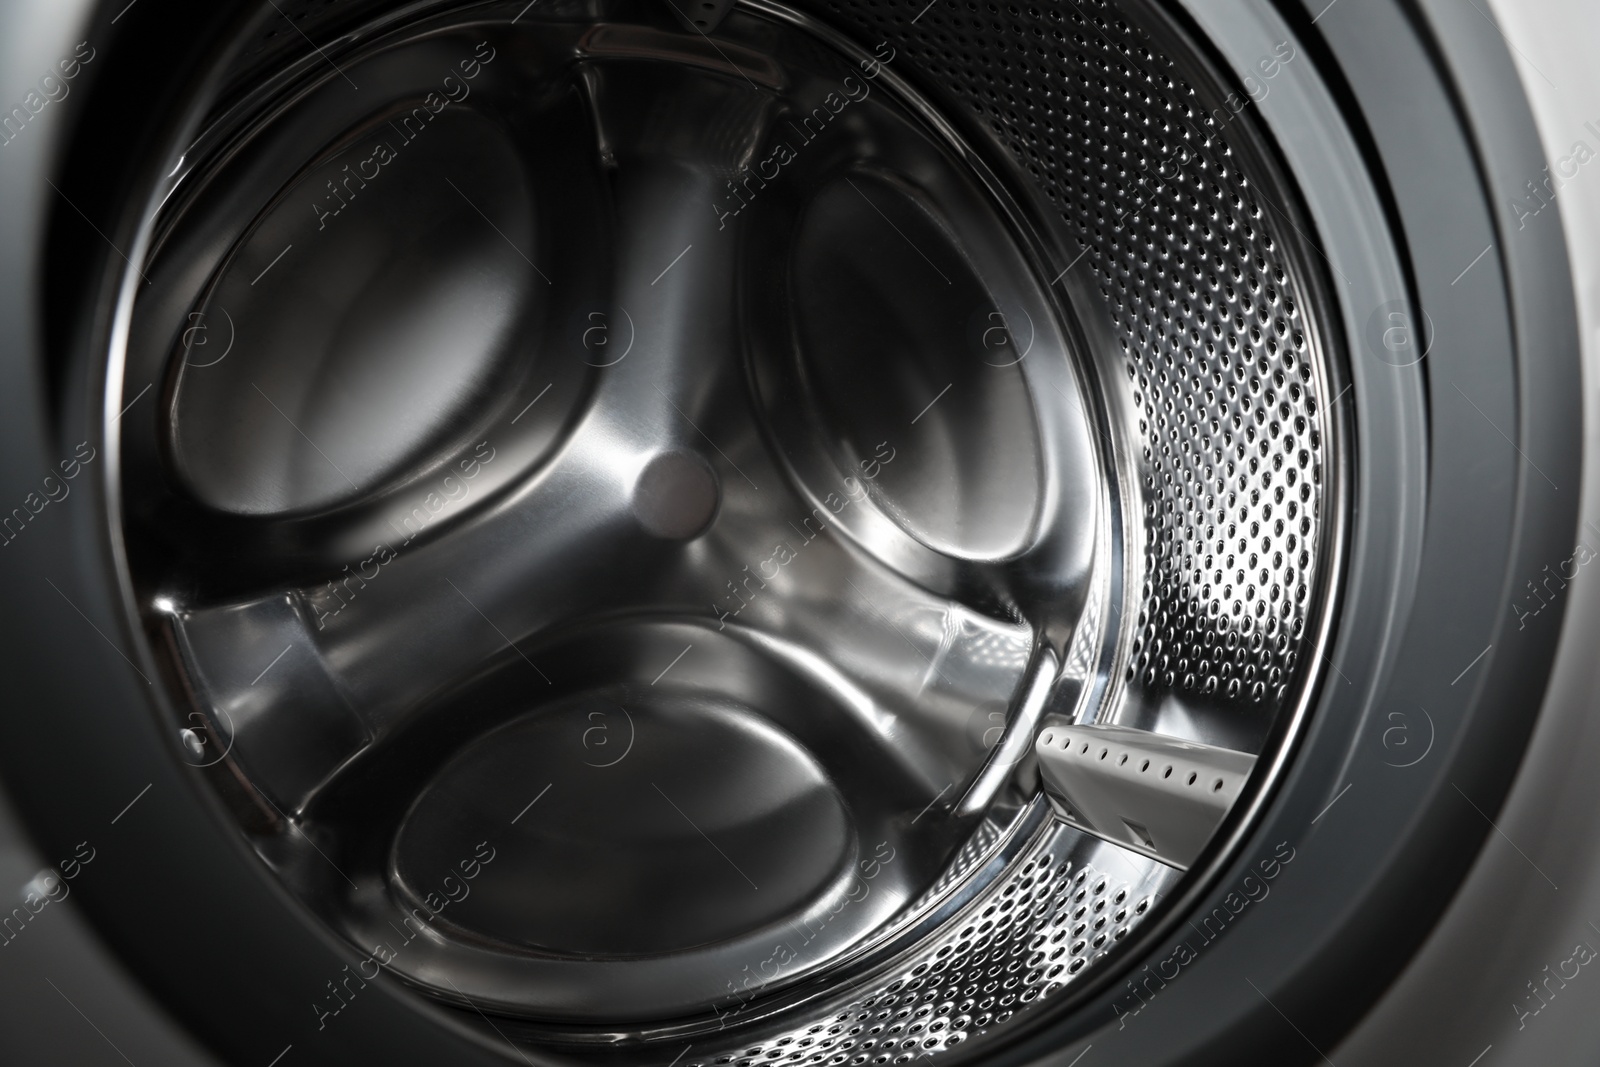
[721, 533]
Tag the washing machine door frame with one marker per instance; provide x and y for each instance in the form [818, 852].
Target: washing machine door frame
[178, 895]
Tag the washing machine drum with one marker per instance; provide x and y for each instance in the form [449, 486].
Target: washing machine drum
[783, 534]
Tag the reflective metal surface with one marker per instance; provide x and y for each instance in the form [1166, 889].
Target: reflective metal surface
[1193, 251]
[622, 502]
[1063, 903]
[672, 571]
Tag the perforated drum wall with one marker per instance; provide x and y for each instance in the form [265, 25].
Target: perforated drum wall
[1028, 935]
[1195, 292]
[1155, 173]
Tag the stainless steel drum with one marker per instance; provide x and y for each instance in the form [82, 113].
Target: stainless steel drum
[624, 505]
